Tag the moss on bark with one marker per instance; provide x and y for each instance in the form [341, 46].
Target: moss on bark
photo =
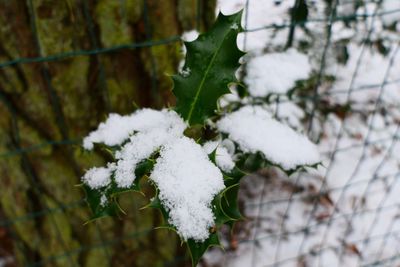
[47, 107]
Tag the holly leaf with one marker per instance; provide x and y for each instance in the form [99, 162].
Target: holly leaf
[100, 208]
[233, 177]
[155, 203]
[220, 216]
[229, 202]
[225, 205]
[210, 65]
[197, 249]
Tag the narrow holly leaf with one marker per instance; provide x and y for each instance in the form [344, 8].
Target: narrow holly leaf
[226, 208]
[220, 216]
[213, 156]
[229, 202]
[197, 249]
[210, 65]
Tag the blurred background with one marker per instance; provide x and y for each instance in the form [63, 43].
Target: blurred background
[327, 68]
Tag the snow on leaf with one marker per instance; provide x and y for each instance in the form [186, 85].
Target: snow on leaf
[198, 249]
[223, 159]
[187, 182]
[146, 129]
[212, 60]
[254, 130]
[98, 177]
[117, 128]
[141, 146]
[101, 189]
[99, 204]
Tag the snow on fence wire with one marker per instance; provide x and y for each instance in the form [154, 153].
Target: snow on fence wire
[347, 213]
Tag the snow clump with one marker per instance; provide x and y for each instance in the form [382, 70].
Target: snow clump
[188, 182]
[259, 132]
[223, 158]
[186, 179]
[117, 128]
[98, 177]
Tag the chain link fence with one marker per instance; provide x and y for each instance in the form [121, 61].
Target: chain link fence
[345, 213]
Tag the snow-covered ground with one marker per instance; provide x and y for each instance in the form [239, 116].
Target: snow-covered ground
[347, 212]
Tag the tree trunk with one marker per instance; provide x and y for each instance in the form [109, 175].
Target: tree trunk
[78, 61]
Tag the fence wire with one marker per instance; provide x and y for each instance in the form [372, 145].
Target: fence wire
[264, 206]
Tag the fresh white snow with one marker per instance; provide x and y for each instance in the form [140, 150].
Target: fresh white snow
[98, 177]
[223, 156]
[254, 130]
[117, 128]
[146, 130]
[139, 148]
[187, 181]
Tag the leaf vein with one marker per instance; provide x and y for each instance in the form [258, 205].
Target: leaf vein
[199, 89]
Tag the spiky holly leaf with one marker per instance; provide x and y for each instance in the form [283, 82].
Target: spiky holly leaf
[210, 65]
[100, 208]
[220, 215]
[229, 202]
[197, 249]
[225, 205]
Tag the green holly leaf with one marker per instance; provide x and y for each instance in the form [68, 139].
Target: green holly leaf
[155, 203]
[226, 208]
[197, 249]
[213, 156]
[225, 204]
[210, 65]
[100, 208]
[220, 216]
[229, 202]
[233, 177]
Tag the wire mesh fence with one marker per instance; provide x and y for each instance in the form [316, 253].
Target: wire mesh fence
[347, 213]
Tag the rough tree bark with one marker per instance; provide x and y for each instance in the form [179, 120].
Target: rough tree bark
[47, 107]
